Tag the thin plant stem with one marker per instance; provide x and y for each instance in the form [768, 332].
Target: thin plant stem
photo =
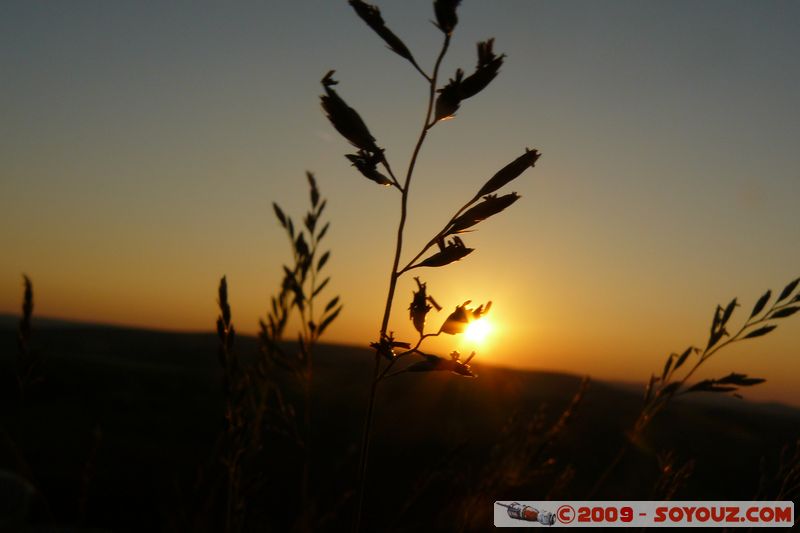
[365, 441]
[405, 190]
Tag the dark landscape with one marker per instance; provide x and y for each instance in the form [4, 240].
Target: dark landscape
[123, 434]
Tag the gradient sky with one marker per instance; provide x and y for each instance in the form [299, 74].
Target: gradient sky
[142, 144]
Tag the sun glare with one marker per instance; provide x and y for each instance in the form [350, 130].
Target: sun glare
[478, 330]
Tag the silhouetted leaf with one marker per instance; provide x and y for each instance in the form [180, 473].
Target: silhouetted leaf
[789, 289]
[481, 310]
[312, 184]
[759, 332]
[786, 311]
[321, 286]
[331, 304]
[323, 260]
[491, 205]
[330, 318]
[449, 99]
[301, 246]
[728, 383]
[446, 17]
[299, 295]
[372, 16]
[740, 379]
[717, 329]
[509, 172]
[454, 251]
[761, 303]
[683, 357]
[667, 366]
[488, 66]
[323, 231]
[288, 278]
[458, 320]
[714, 338]
[345, 119]
[717, 319]
[305, 265]
[279, 213]
[732, 378]
[367, 164]
[728, 312]
[225, 329]
[432, 363]
[310, 222]
[460, 88]
[222, 301]
[419, 307]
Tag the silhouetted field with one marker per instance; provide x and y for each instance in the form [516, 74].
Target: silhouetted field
[124, 433]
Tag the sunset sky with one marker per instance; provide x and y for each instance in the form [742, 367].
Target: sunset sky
[143, 144]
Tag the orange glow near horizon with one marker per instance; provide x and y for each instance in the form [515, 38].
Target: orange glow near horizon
[620, 345]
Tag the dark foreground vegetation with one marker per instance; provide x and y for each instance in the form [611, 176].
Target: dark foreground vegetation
[123, 432]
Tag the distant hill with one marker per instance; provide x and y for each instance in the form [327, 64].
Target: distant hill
[156, 399]
[8, 321]
[11, 321]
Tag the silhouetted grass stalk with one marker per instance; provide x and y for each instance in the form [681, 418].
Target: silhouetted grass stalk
[784, 483]
[662, 389]
[393, 277]
[27, 374]
[299, 291]
[27, 359]
[483, 205]
[233, 412]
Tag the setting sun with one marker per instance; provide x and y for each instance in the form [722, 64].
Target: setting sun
[478, 330]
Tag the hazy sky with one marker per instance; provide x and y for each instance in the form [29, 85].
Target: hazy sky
[142, 143]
